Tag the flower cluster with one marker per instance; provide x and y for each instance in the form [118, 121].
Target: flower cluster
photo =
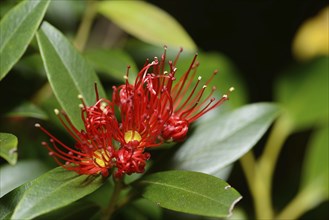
[152, 110]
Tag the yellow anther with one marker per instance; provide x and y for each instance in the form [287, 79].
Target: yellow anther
[101, 158]
[132, 136]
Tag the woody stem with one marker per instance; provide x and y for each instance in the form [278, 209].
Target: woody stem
[85, 25]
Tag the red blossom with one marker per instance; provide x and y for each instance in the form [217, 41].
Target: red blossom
[130, 160]
[93, 152]
[143, 111]
[152, 109]
[187, 96]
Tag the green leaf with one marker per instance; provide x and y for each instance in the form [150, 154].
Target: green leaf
[76, 210]
[8, 147]
[31, 66]
[190, 192]
[219, 142]
[113, 63]
[315, 168]
[147, 22]
[17, 30]
[14, 176]
[141, 209]
[68, 73]
[303, 91]
[56, 188]
[28, 109]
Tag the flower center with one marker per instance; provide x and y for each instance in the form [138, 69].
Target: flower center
[132, 136]
[101, 158]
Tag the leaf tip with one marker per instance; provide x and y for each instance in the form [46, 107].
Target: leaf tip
[230, 211]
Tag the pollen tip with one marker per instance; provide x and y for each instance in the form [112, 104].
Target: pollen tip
[125, 77]
[80, 106]
[204, 86]
[225, 96]
[37, 125]
[199, 78]
[80, 96]
[231, 89]
[56, 111]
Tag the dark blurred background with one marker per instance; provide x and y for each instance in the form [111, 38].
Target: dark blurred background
[257, 36]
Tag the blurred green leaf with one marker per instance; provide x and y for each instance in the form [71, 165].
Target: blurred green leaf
[98, 197]
[8, 147]
[238, 214]
[316, 161]
[227, 76]
[68, 73]
[28, 109]
[219, 142]
[303, 91]
[113, 63]
[223, 173]
[141, 209]
[76, 210]
[14, 176]
[147, 22]
[17, 30]
[65, 14]
[190, 192]
[54, 189]
[31, 66]
[5, 7]
[140, 50]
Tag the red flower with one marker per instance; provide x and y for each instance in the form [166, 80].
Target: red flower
[130, 160]
[152, 109]
[93, 152]
[143, 111]
[188, 99]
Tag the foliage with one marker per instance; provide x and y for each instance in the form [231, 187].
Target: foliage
[59, 67]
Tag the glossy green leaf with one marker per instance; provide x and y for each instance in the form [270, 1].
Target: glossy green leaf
[18, 27]
[8, 147]
[303, 91]
[54, 189]
[68, 73]
[14, 176]
[28, 109]
[147, 22]
[225, 139]
[190, 192]
[113, 63]
[316, 168]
